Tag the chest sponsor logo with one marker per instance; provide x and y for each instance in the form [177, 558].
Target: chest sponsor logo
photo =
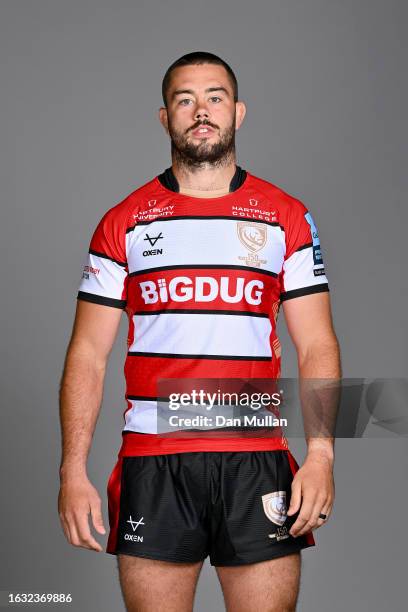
[202, 289]
[254, 212]
[153, 212]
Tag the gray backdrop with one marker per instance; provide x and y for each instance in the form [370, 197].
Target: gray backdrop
[324, 82]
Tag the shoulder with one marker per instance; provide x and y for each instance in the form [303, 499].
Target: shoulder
[125, 212]
[289, 206]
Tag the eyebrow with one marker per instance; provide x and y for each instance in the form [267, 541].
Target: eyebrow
[190, 91]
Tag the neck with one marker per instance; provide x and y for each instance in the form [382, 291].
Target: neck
[204, 176]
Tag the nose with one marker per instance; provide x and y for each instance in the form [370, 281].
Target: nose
[201, 113]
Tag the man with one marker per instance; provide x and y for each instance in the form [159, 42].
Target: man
[200, 257]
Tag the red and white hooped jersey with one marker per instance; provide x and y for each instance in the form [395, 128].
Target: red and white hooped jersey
[201, 281]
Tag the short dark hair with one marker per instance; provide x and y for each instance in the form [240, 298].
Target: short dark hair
[194, 59]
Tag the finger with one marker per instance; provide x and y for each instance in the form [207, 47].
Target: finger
[65, 527]
[85, 538]
[312, 521]
[73, 533]
[304, 516]
[295, 498]
[326, 509]
[96, 514]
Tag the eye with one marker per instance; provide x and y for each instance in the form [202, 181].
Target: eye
[184, 100]
[215, 98]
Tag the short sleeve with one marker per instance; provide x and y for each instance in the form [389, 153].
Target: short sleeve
[105, 273]
[303, 270]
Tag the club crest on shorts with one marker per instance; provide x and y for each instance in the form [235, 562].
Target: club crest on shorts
[274, 505]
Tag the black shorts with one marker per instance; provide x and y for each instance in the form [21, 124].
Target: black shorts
[182, 507]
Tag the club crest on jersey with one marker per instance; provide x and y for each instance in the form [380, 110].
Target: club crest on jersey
[253, 236]
[274, 505]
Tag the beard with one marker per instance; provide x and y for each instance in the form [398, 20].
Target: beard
[204, 153]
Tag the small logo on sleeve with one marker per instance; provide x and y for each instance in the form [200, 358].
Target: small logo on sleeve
[317, 253]
[89, 270]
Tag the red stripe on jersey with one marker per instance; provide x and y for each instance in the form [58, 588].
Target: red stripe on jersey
[142, 372]
[150, 444]
[160, 289]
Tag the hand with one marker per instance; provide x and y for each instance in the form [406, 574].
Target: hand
[313, 493]
[77, 498]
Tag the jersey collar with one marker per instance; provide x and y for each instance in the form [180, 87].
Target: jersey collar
[168, 179]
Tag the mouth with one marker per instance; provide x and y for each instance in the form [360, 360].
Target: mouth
[203, 131]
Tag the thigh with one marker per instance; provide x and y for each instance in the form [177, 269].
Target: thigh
[269, 586]
[149, 585]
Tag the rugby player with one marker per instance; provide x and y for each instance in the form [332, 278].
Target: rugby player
[201, 258]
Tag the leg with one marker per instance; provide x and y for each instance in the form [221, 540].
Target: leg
[149, 585]
[268, 586]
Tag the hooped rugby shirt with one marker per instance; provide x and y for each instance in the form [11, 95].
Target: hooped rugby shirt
[201, 281]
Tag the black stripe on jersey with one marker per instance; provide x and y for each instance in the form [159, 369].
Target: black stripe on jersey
[187, 356]
[294, 293]
[100, 299]
[195, 217]
[147, 398]
[203, 267]
[304, 246]
[120, 263]
[203, 311]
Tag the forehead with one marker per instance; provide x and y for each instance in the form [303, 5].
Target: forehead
[199, 77]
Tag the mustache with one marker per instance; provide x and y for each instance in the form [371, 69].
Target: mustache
[202, 123]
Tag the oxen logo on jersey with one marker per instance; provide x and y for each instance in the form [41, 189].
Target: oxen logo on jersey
[252, 235]
[274, 505]
[202, 289]
[153, 239]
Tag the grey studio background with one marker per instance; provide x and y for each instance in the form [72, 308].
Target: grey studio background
[324, 82]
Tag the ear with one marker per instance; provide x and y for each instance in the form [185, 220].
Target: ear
[163, 118]
[240, 113]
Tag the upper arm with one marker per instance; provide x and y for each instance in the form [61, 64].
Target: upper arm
[95, 329]
[102, 294]
[309, 321]
[305, 294]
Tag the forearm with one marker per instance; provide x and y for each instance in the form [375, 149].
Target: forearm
[80, 401]
[321, 361]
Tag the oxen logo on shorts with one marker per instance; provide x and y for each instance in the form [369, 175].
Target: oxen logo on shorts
[274, 505]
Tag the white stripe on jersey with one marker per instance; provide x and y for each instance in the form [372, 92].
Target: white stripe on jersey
[104, 277]
[202, 334]
[153, 417]
[201, 242]
[298, 270]
[141, 417]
